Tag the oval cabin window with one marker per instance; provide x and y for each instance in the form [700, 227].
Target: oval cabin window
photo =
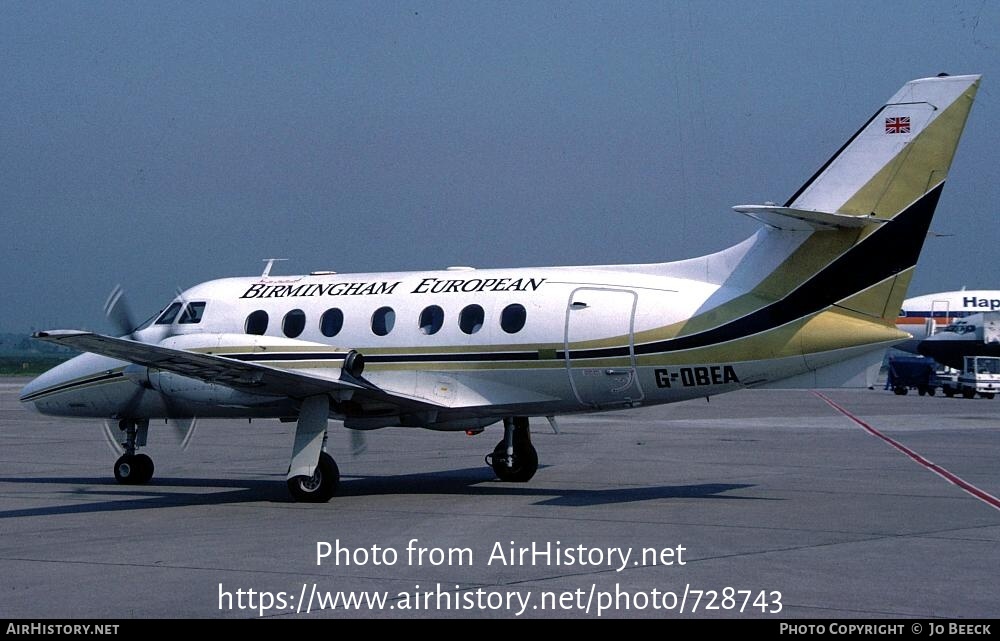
[331, 322]
[256, 323]
[512, 318]
[382, 321]
[471, 319]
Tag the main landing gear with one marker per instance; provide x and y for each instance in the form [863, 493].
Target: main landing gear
[312, 476]
[132, 468]
[319, 487]
[514, 459]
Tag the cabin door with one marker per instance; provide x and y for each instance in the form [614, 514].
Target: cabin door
[600, 347]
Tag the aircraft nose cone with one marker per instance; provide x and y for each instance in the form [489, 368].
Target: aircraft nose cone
[30, 391]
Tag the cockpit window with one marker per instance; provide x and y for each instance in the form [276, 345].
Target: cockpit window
[192, 313]
[169, 314]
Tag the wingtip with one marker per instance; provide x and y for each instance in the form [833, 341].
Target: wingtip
[58, 333]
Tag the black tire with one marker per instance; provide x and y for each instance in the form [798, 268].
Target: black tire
[968, 393]
[146, 468]
[524, 466]
[321, 486]
[930, 391]
[130, 469]
[988, 395]
[922, 390]
[950, 393]
[899, 390]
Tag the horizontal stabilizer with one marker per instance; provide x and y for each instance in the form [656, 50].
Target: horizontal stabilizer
[792, 219]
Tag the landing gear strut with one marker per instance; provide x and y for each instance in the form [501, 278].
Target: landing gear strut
[312, 476]
[514, 459]
[132, 468]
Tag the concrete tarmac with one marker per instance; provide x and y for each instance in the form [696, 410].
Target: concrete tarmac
[764, 504]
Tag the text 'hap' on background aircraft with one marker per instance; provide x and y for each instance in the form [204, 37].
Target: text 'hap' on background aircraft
[949, 326]
[810, 300]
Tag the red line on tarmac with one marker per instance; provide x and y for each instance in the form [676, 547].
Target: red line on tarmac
[983, 496]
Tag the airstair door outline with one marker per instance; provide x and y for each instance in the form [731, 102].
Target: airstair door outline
[602, 376]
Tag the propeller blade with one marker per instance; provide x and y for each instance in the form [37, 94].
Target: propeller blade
[110, 430]
[117, 310]
[359, 443]
[184, 429]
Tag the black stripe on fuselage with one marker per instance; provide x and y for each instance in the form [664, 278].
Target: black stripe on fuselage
[72, 385]
[390, 358]
[890, 249]
[287, 356]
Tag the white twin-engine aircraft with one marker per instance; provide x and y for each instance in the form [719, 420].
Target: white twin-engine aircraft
[809, 300]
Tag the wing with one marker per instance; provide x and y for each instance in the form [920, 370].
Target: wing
[427, 395]
[212, 368]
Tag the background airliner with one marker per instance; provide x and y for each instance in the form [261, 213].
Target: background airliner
[811, 299]
[948, 326]
[922, 316]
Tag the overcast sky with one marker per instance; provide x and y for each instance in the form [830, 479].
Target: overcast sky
[159, 144]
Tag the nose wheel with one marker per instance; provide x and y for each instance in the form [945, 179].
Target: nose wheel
[132, 468]
[514, 459]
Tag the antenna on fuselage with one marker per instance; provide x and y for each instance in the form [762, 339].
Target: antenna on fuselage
[270, 263]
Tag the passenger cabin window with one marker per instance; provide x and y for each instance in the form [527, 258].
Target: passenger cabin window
[382, 321]
[512, 318]
[169, 314]
[331, 322]
[471, 319]
[293, 323]
[431, 319]
[192, 313]
[256, 323]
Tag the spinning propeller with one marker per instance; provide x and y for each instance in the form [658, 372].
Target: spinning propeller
[118, 312]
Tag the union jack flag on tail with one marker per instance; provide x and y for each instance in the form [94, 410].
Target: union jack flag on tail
[897, 125]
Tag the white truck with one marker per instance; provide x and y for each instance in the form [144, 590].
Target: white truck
[979, 375]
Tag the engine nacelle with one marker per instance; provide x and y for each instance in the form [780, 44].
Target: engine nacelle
[206, 393]
[192, 390]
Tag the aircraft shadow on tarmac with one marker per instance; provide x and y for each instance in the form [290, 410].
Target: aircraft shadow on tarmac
[100, 494]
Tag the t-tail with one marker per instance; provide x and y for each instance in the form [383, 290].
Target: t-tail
[832, 265]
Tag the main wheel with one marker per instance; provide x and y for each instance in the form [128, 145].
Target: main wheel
[950, 393]
[899, 390]
[987, 395]
[524, 466]
[134, 469]
[146, 468]
[321, 486]
[968, 393]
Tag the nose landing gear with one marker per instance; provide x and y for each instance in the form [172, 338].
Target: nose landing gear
[132, 468]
